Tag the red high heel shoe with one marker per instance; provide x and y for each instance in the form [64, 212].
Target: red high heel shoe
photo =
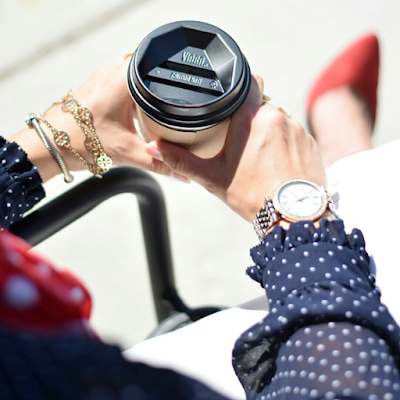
[357, 67]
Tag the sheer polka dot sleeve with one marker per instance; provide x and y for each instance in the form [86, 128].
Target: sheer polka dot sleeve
[327, 335]
[20, 183]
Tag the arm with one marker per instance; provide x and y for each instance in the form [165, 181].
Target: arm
[262, 149]
[326, 321]
[327, 334]
[112, 111]
[27, 163]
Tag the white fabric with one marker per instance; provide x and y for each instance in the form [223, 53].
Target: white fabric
[205, 349]
[369, 187]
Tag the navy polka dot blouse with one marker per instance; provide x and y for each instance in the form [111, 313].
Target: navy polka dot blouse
[20, 183]
[327, 335]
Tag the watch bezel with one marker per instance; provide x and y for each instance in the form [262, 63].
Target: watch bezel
[292, 217]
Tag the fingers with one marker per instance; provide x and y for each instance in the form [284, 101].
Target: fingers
[239, 127]
[153, 165]
[203, 171]
[255, 97]
[180, 160]
[257, 88]
[130, 151]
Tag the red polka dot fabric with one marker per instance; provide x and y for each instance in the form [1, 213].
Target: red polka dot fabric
[35, 295]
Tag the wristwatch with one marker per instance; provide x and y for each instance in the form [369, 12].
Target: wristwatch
[293, 200]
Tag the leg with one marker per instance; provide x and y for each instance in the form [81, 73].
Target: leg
[366, 182]
[341, 104]
[203, 350]
[341, 123]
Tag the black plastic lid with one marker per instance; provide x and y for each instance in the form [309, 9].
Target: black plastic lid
[188, 75]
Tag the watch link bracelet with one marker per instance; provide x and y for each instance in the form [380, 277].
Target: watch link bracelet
[293, 200]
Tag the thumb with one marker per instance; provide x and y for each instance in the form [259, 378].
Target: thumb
[181, 161]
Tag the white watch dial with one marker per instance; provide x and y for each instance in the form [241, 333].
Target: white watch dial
[300, 199]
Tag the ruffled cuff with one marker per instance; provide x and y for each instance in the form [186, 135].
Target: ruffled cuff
[303, 255]
[20, 183]
[311, 276]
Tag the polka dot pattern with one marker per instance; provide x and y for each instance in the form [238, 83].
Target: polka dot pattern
[20, 183]
[327, 335]
[20, 293]
[39, 299]
[342, 358]
[35, 296]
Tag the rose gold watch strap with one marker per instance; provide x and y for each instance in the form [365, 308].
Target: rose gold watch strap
[268, 215]
[265, 218]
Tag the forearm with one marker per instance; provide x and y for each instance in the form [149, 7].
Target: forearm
[25, 163]
[312, 276]
[39, 155]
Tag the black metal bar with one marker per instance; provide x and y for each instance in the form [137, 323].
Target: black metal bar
[78, 201]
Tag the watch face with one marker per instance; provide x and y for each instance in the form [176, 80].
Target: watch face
[300, 200]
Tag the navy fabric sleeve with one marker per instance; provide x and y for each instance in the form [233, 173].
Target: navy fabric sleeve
[327, 335]
[20, 183]
[75, 368]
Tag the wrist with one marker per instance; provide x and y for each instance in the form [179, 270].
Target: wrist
[286, 224]
[89, 151]
[65, 122]
[293, 200]
[312, 246]
[37, 140]
[29, 140]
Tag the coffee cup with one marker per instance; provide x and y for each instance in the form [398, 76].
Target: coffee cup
[187, 79]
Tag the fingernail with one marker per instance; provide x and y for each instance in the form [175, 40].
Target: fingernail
[180, 177]
[152, 151]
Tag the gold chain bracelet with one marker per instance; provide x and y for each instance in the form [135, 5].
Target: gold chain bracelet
[83, 118]
[61, 139]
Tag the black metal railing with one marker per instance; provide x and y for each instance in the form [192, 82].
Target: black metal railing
[78, 201]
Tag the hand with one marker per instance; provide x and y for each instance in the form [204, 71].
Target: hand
[263, 148]
[113, 111]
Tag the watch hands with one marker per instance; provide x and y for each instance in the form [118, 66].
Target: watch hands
[297, 200]
[303, 198]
